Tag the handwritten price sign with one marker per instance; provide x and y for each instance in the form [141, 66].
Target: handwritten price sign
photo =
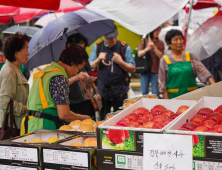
[167, 152]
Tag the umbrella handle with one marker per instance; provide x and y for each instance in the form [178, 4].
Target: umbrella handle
[106, 63]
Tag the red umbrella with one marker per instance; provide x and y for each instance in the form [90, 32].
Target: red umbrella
[41, 4]
[205, 4]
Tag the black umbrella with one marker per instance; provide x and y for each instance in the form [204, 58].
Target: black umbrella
[30, 31]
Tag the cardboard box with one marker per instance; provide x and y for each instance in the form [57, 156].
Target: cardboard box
[63, 156]
[16, 151]
[114, 159]
[210, 144]
[213, 90]
[135, 140]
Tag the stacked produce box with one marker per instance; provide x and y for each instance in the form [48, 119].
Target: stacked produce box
[120, 139]
[204, 122]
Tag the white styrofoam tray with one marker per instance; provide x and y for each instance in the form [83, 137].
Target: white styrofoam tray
[172, 105]
[210, 102]
[43, 136]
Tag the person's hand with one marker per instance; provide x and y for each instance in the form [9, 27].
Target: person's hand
[102, 56]
[83, 117]
[117, 58]
[82, 76]
[25, 108]
[150, 46]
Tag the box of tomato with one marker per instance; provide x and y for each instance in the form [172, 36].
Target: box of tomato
[204, 122]
[125, 130]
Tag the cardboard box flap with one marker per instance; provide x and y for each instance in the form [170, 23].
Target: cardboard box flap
[213, 90]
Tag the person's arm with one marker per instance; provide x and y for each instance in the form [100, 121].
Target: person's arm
[211, 80]
[159, 50]
[201, 71]
[162, 77]
[8, 91]
[165, 95]
[95, 63]
[79, 76]
[93, 59]
[149, 46]
[61, 98]
[65, 114]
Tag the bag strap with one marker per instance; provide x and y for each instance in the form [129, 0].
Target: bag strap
[5, 121]
[87, 92]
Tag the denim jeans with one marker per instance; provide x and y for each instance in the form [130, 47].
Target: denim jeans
[146, 79]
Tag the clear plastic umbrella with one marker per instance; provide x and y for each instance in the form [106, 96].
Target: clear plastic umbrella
[206, 40]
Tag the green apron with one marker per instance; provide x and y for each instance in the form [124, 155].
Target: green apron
[180, 78]
[40, 100]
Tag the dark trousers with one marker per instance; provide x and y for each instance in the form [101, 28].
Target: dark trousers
[107, 104]
[83, 108]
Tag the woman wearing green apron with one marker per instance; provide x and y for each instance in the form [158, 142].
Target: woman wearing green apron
[179, 69]
[48, 100]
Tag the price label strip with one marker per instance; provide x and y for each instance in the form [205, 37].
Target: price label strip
[65, 157]
[8, 167]
[128, 162]
[19, 153]
[167, 152]
[203, 165]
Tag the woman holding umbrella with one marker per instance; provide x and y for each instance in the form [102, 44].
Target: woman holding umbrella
[178, 70]
[48, 101]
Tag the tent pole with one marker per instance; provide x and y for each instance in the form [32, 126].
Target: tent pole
[188, 22]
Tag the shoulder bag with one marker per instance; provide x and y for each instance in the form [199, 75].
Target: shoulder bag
[96, 100]
[143, 64]
[6, 131]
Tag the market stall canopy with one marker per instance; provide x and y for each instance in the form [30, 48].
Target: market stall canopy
[26, 14]
[47, 44]
[30, 31]
[83, 2]
[140, 16]
[8, 10]
[206, 40]
[41, 4]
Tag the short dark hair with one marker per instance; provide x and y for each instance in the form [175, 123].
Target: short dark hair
[14, 43]
[172, 33]
[73, 54]
[76, 38]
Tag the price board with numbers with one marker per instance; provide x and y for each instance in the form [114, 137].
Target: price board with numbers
[27, 155]
[167, 152]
